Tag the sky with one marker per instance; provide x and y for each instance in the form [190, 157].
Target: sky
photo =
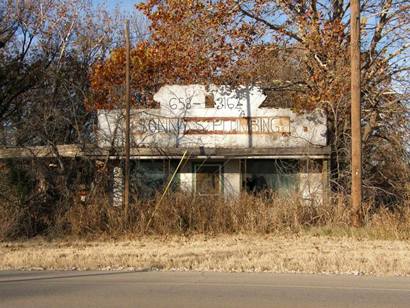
[125, 5]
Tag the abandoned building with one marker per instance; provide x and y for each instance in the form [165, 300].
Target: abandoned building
[220, 141]
[208, 140]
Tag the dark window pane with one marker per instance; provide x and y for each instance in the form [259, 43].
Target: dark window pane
[279, 176]
[147, 177]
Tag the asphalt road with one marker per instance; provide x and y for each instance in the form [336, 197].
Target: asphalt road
[194, 289]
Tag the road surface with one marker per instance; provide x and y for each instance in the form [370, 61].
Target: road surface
[194, 289]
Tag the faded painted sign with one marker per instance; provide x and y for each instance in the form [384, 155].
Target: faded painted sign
[204, 126]
[214, 116]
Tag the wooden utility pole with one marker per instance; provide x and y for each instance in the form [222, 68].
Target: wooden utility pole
[355, 112]
[127, 120]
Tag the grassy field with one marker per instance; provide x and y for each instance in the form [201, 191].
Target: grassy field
[233, 253]
[246, 234]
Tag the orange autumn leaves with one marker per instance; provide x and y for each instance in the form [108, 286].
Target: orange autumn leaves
[107, 77]
[191, 42]
[195, 41]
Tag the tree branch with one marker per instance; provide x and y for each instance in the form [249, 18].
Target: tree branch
[270, 25]
[379, 28]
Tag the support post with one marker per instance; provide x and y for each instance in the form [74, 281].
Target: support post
[355, 112]
[325, 182]
[127, 120]
[117, 185]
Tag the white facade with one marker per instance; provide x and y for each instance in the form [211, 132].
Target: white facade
[196, 118]
[235, 121]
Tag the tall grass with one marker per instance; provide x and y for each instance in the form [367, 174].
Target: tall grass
[179, 213]
[184, 214]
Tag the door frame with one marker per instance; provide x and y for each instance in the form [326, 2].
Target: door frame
[221, 176]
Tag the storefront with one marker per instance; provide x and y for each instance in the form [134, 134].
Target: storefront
[219, 141]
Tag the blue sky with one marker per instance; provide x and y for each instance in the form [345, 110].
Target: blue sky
[125, 5]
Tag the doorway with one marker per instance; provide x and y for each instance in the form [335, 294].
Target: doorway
[208, 179]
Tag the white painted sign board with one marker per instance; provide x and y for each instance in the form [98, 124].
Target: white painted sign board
[215, 116]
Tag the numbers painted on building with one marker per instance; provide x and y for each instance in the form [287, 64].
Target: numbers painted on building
[177, 103]
[229, 103]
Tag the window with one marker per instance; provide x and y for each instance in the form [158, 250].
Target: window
[148, 177]
[208, 179]
[279, 176]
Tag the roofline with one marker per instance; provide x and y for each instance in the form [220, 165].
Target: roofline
[93, 152]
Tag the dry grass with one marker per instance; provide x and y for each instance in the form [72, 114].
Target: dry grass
[282, 235]
[180, 214]
[265, 253]
[9, 220]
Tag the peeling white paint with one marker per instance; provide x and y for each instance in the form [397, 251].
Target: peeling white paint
[235, 121]
[311, 187]
[118, 186]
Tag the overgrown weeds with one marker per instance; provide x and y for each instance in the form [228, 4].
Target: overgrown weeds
[183, 214]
